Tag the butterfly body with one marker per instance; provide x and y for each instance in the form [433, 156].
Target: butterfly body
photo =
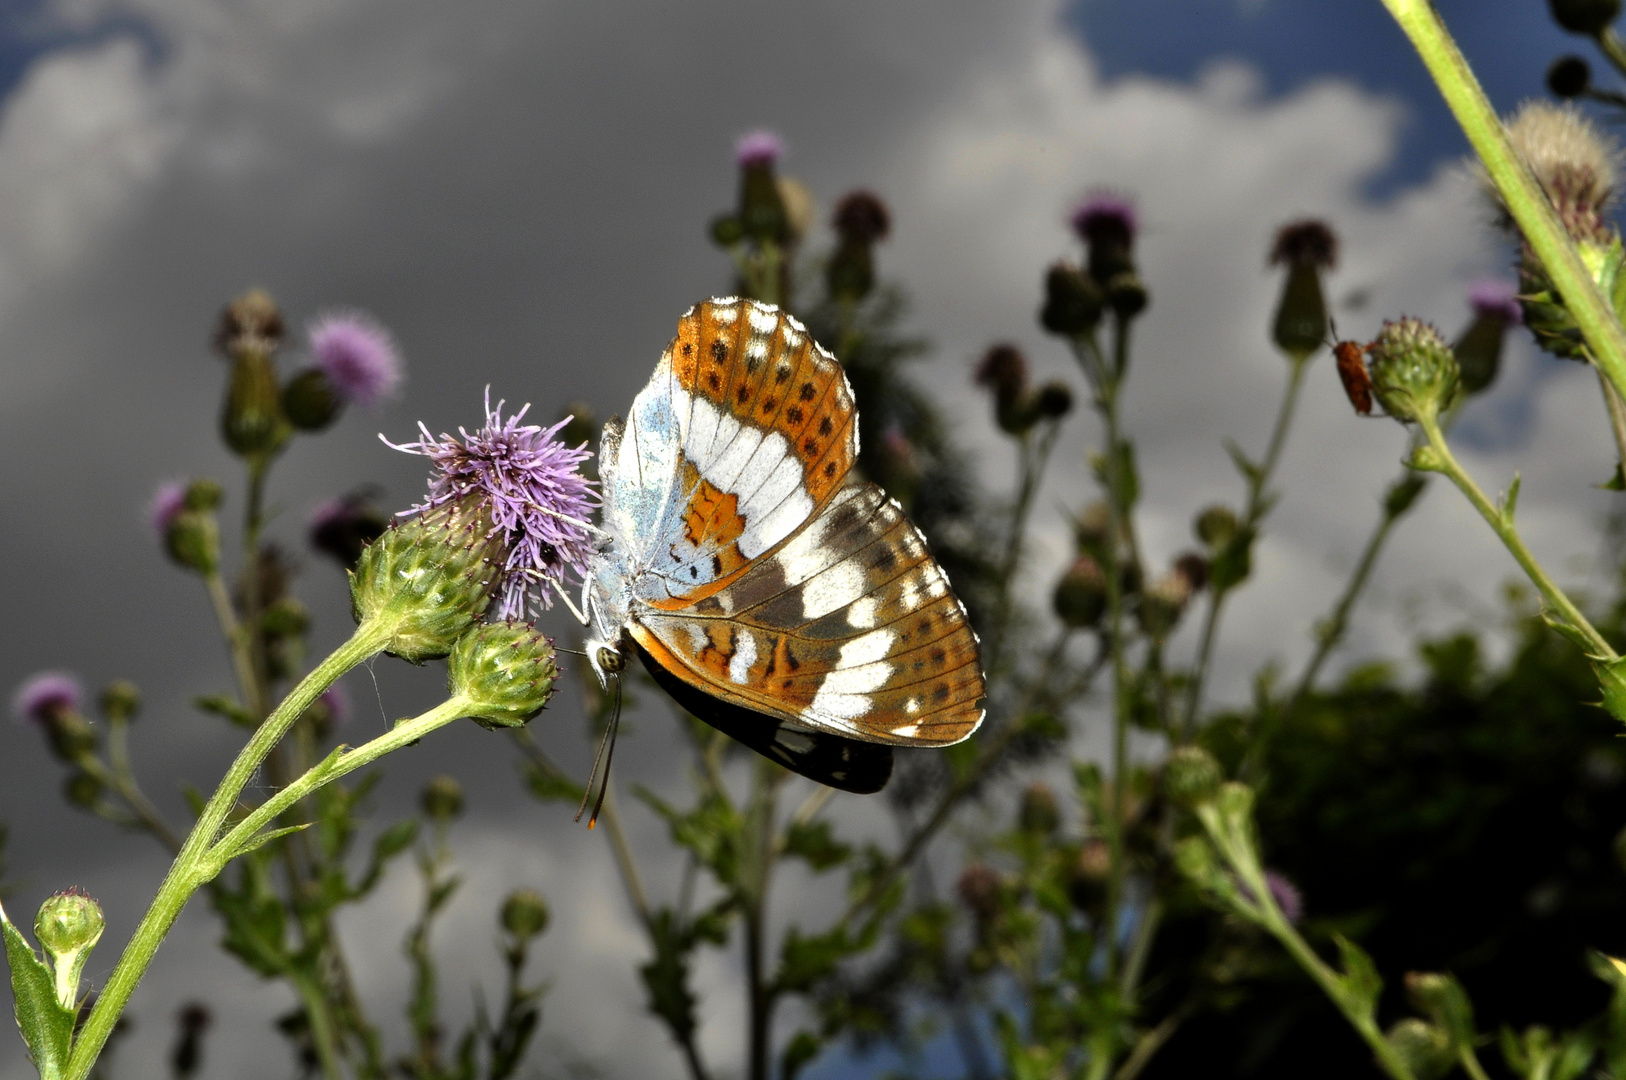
[745, 561]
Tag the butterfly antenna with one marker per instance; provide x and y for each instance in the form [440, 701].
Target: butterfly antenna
[606, 751]
[581, 616]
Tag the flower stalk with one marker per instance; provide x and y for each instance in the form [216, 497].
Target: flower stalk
[1520, 191]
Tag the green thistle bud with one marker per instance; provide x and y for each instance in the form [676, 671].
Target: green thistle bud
[1215, 525]
[726, 231]
[310, 402]
[1080, 598]
[442, 799]
[524, 915]
[121, 700]
[1423, 1047]
[70, 735]
[1306, 248]
[1479, 349]
[68, 927]
[505, 670]
[1191, 775]
[1414, 374]
[252, 321]
[1163, 602]
[1092, 528]
[1126, 294]
[1590, 17]
[429, 578]
[251, 421]
[183, 517]
[1072, 301]
[850, 273]
[83, 790]
[1039, 813]
[1053, 401]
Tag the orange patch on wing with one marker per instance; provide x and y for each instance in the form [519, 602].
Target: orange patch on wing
[713, 518]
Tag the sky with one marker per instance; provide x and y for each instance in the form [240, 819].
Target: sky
[521, 196]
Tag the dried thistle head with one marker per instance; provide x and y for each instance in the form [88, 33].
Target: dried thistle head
[1577, 165]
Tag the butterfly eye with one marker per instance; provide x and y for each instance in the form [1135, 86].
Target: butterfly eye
[610, 660]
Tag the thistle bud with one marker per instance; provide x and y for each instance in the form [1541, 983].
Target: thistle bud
[429, 578]
[183, 517]
[1215, 525]
[120, 701]
[1039, 813]
[1107, 225]
[343, 527]
[1093, 528]
[1590, 17]
[1162, 604]
[1413, 372]
[1423, 1047]
[68, 927]
[1191, 775]
[1479, 349]
[762, 213]
[1004, 371]
[1053, 401]
[83, 790]
[1089, 874]
[861, 220]
[442, 799]
[524, 915]
[1306, 248]
[1080, 598]
[979, 888]
[310, 401]
[1194, 568]
[1072, 301]
[1569, 77]
[505, 671]
[251, 420]
[250, 322]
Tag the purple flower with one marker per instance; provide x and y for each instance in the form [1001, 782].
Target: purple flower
[535, 493]
[1496, 298]
[357, 355]
[1286, 895]
[167, 503]
[43, 696]
[1105, 218]
[758, 148]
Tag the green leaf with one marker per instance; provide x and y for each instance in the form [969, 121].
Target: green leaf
[1562, 626]
[1249, 471]
[1360, 978]
[666, 977]
[1402, 494]
[551, 785]
[224, 707]
[47, 1027]
[804, 960]
[1612, 681]
[1510, 501]
[1617, 482]
[1233, 561]
[811, 841]
[259, 840]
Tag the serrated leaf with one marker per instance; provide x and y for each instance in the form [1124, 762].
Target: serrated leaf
[1510, 501]
[804, 960]
[1562, 626]
[812, 842]
[47, 1027]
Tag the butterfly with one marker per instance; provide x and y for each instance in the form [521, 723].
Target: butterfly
[766, 588]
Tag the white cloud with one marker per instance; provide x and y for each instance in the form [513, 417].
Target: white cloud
[522, 195]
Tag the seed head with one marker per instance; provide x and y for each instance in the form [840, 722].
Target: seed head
[531, 487]
[1577, 165]
[357, 354]
[252, 321]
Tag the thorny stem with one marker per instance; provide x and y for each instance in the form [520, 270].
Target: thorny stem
[194, 866]
[1500, 519]
[1258, 506]
[1520, 191]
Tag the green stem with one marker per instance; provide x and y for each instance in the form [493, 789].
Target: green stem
[1617, 419]
[1257, 507]
[321, 1027]
[1520, 191]
[1614, 51]
[1120, 674]
[242, 650]
[1033, 457]
[1470, 1064]
[1501, 521]
[192, 867]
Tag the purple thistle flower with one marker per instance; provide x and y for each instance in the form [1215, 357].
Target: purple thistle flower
[43, 696]
[1496, 298]
[357, 355]
[167, 503]
[758, 148]
[536, 495]
[1105, 217]
[1286, 895]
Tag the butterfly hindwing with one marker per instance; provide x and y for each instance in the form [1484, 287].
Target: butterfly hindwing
[849, 628]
